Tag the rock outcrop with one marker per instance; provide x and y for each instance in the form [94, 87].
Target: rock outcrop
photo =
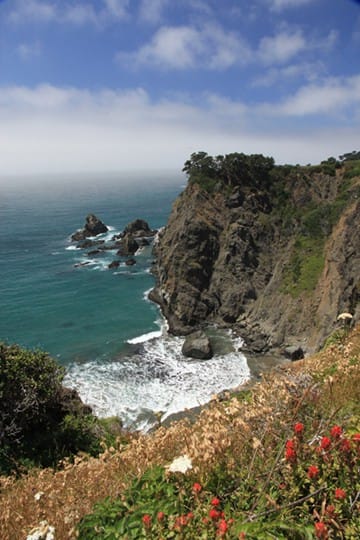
[277, 263]
[93, 227]
[197, 345]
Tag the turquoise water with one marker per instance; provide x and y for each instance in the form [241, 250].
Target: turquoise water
[98, 322]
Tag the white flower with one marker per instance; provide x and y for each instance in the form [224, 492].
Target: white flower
[38, 495]
[181, 464]
[43, 532]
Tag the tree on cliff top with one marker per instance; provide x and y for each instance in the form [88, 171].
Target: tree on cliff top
[231, 170]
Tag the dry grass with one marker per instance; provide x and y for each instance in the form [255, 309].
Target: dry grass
[235, 430]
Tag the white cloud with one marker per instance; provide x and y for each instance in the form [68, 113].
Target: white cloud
[27, 51]
[79, 14]
[152, 10]
[185, 47]
[332, 96]
[310, 71]
[117, 8]
[48, 129]
[281, 47]
[37, 10]
[64, 11]
[279, 5]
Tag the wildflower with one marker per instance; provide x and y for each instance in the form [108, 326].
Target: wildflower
[242, 536]
[321, 530]
[214, 514]
[324, 444]
[336, 432]
[43, 532]
[299, 428]
[215, 501]
[222, 527]
[330, 510]
[146, 519]
[197, 487]
[345, 445]
[181, 464]
[340, 494]
[160, 516]
[356, 437]
[313, 472]
[290, 452]
[189, 515]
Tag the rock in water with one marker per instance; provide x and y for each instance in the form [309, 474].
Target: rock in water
[197, 345]
[93, 227]
[139, 227]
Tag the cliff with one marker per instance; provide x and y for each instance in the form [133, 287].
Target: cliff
[271, 251]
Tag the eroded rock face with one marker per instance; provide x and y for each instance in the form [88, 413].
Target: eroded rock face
[139, 227]
[197, 345]
[93, 227]
[224, 258]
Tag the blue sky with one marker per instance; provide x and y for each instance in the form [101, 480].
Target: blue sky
[111, 85]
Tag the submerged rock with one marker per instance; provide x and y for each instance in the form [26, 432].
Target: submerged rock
[197, 345]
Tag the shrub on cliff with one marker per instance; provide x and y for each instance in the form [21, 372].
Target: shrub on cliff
[40, 420]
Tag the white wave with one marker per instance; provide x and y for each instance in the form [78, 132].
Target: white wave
[159, 378]
[145, 337]
[72, 248]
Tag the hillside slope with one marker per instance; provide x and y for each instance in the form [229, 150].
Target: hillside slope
[276, 260]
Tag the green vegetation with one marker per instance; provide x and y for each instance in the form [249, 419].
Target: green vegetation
[41, 422]
[305, 266]
[236, 169]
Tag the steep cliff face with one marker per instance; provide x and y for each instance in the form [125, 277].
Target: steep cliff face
[277, 264]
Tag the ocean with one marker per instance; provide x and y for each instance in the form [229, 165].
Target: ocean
[97, 322]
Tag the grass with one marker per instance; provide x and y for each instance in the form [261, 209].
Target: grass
[304, 268]
[240, 455]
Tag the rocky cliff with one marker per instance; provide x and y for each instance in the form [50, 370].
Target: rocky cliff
[273, 252]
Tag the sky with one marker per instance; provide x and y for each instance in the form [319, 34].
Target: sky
[114, 85]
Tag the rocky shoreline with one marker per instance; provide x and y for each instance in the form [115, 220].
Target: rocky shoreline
[276, 261]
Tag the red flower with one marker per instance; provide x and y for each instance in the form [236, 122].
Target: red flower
[345, 445]
[215, 501]
[222, 527]
[160, 516]
[180, 521]
[242, 536]
[290, 452]
[336, 432]
[340, 494]
[197, 487]
[299, 428]
[313, 472]
[214, 514]
[321, 530]
[324, 444]
[330, 510]
[356, 437]
[189, 515]
[146, 519]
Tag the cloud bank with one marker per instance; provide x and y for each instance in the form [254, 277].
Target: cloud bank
[49, 129]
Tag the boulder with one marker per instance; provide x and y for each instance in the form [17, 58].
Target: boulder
[139, 227]
[129, 246]
[93, 227]
[114, 264]
[197, 345]
[130, 262]
[294, 352]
